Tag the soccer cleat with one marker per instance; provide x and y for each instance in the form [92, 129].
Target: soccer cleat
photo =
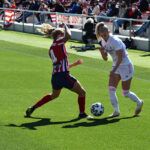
[89, 117]
[84, 115]
[138, 108]
[114, 114]
[29, 111]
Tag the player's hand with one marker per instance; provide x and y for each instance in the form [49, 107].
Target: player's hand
[80, 61]
[76, 63]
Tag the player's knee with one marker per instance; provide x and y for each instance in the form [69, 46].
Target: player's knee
[112, 90]
[82, 92]
[125, 93]
[54, 95]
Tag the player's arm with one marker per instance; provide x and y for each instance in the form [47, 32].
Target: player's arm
[67, 33]
[119, 54]
[76, 63]
[103, 53]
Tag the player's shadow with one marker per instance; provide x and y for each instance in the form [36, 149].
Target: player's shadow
[97, 122]
[47, 121]
[145, 55]
[40, 122]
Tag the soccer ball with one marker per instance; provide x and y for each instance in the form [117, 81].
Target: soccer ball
[97, 109]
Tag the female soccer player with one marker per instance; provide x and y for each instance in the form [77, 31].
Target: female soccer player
[122, 68]
[61, 78]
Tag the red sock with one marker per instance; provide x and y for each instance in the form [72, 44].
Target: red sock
[44, 100]
[81, 102]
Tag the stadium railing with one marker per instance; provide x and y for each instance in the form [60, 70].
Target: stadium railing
[75, 21]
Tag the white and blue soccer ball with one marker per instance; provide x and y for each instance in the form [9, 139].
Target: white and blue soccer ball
[97, 109]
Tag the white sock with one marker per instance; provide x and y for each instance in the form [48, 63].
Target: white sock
[132, 96]
[113, 98]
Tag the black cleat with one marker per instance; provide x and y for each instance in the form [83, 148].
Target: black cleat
[29, 111]
[82, 115]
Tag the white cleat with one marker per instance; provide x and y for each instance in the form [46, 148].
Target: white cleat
[114, 114]
[138, 108]
[89, 117]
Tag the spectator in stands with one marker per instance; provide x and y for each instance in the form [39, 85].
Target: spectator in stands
[90, 9]
[96, 8]
[33, 5]
[19, 3]
[143, 5]
[58, 7]
[1, 3]
[111, 11]
[122, 9]
[142, 29]
[103, 4]
[8, 15]
[42, 16]
[73, 2]
[8, 2]
[76, 8]
[80, 7]
[6, 5]
[85, 8]
[131, 12]
[89, 28]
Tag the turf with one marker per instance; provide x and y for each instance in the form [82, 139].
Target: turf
[25, 77]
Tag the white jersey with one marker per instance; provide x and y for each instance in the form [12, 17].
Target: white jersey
[114, 44]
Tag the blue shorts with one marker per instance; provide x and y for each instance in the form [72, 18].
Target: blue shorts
[62, 80]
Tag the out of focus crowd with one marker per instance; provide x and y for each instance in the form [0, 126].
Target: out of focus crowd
[97, 9]
[119, 8]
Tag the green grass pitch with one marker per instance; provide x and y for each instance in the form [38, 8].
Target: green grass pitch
[25, 71]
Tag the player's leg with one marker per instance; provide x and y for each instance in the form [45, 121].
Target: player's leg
[47, 98]
[42, 101]
[113, 83]
[71, 83]
[126, 73]
[56, 86]
[132, 96]
[77, 88]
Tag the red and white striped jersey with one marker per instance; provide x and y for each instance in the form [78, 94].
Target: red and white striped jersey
[58, 54]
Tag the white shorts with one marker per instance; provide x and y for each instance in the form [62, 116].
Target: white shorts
[125, 71]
